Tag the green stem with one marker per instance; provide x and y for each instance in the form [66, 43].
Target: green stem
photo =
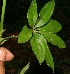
[5, 39]
[11, 37]
[2, 15]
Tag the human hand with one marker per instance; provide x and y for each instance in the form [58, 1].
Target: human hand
[5, 55]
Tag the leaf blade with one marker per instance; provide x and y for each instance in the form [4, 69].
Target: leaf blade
[38, 44]
[49, 58]
[45, 14]
[52, 26]
[32, 13]
[54, 39]
[24, 35]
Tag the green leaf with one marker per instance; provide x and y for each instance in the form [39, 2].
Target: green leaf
[52, 26]
[38, 44]
[24, 35]
[49, 58]
[32, 13]
[45, 13]
[25, 69]
[54, 39]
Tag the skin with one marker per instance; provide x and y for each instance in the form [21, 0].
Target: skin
[5, 55]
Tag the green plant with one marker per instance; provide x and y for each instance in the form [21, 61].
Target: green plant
[2, 40]
[42, 29]
[2, 20]
[2, 17]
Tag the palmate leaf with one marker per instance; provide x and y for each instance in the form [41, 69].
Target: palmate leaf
[24, 35]
[45, 13]
[32, 13]
[49, 58]
[52, 26]
[54, 39]
[38, 44]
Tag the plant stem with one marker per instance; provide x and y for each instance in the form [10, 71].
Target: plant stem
[2, 15]
[6, 38]
[11, 37]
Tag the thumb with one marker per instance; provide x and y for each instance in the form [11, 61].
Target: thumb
[5, 55]
[9, 55]
[2, 68]
[2, 60]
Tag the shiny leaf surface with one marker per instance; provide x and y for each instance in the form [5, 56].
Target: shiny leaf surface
[45, 13]
[24, 35]
[54, 39]
[52, 26]
[49, 58]
[38, 44]
[32, 13]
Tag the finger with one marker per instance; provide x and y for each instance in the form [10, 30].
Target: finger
[9, 55]
[2, 54]
[2, 68]
[2, 60]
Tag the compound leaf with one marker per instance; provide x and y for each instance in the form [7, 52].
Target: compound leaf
[24, 35]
